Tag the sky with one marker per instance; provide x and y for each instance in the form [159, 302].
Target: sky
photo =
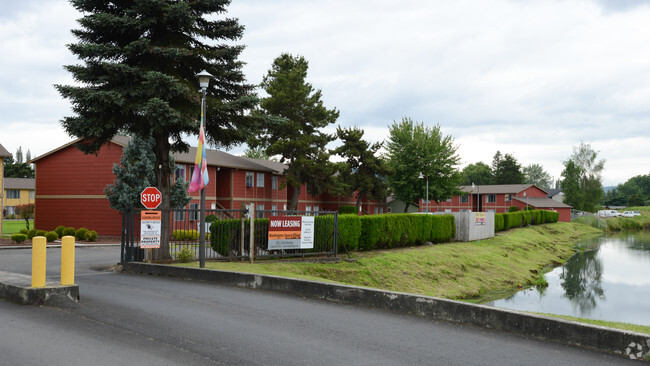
[529, 78]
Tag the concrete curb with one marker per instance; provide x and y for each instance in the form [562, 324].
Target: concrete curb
[625, 343]
[17, 288]
[59, 246]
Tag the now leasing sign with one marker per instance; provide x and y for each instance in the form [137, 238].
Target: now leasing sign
[291, 232]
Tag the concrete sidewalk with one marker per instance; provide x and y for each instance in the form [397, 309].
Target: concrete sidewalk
[17, 288]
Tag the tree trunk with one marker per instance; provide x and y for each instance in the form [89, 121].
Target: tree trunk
[406, 207]
[293, 204]
[163, 175]
[360, 200]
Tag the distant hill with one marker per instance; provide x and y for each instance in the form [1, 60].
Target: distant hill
[608, 188]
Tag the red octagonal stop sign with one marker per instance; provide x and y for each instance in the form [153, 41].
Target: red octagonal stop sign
[151, 197]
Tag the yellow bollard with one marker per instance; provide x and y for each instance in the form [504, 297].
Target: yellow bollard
[39, 261]
[67, 260]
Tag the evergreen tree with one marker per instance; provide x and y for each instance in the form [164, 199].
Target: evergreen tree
[140, 59]
[363, 171]
[414, 149]
[136, 172]
[14, 170]
[506, 170]
[19, 155]
[295, 114]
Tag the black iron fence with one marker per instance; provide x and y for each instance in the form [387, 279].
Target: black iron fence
[230, 235]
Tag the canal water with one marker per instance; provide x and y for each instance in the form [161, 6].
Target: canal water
[609, 280]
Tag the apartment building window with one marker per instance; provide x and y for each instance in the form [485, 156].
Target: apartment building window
[491, 210]
[194, 213]
[179, 215]
[274, 208]
[32, 195]
[249, 179]
[307, 208]
[13, 193]
[274, 182]
[464, 198]
[180, 172]
[491, 198]
[260, 180]
[508, 197]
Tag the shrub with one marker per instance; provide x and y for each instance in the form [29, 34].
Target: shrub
[347, 210]
[19, 238]
[225, 235]
[184, 255]
[31, 234]
[59, 230]
[387, 231]
[498, 222]
[185, 235]
[24, 231]
[41, 232]
[51, 236]
[211, 218]
[513, 209]
[80, 234]
[350, 231]
[68, 231]
[91, 235]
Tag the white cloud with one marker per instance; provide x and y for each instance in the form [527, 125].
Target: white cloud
[531, 78]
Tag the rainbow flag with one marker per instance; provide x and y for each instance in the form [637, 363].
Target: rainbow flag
[200, 177]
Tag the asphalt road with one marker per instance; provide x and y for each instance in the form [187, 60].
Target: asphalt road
[143, 320]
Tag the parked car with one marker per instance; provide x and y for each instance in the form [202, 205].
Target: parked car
[609, 213]
[637, 213]
[628, 214]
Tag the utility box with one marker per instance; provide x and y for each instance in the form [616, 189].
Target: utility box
[471, 226]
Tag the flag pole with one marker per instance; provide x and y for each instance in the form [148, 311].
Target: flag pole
[202, 215]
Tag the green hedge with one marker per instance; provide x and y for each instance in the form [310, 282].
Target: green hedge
[402, 230]
[350, 231]
[509, 220]
[225, 235]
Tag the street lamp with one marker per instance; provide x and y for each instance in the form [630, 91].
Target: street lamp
[526, 201]
[204, 80]
[424, 176]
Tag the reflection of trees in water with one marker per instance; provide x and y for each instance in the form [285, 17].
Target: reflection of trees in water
[582, 275]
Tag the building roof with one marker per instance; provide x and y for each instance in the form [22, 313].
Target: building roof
[541, 202]
[20, 183]
[498, 188]
[214, 157]
[4, 153]
[552, 192]
[278, 167]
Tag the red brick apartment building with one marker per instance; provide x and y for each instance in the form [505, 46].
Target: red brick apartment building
[70, 186]
[499, 198]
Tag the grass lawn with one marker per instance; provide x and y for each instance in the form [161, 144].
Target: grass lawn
[14, 226]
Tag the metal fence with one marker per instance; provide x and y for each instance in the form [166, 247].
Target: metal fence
[228, 234]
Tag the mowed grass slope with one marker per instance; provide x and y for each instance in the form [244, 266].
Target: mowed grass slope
[452, 270]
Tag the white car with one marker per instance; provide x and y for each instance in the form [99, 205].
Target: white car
[609, 213]
[628, 214]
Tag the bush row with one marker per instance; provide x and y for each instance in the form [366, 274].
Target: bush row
[508, 220]
[402, 230]
[59, 232]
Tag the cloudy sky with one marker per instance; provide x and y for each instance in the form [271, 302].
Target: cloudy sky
[529, 78]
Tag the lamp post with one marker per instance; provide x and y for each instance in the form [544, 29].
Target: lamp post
[526, 201]
[204, 80]
[427, 177]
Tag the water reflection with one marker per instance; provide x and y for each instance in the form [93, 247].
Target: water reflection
[580, 279]
[607, 280]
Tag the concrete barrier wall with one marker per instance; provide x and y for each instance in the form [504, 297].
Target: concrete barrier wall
[467, 228]
[624, 343]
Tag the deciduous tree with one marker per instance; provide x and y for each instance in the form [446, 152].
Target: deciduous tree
[413, 149]
[477, 173]
[535, 174]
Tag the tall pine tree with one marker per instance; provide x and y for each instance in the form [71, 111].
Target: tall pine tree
[363, 172]
[296, 116]
[140, 59]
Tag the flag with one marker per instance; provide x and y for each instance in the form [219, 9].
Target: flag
[200, 177]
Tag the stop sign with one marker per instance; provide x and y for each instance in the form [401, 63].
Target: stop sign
[151, 197]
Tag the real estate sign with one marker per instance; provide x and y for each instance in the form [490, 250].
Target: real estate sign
[150, 229]
[480, 218]
[291, 232]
